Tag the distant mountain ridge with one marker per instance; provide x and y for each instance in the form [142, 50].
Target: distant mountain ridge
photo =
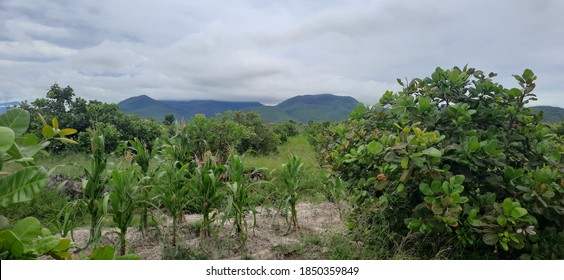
[4, 106]
[551, 114]
[303, 108]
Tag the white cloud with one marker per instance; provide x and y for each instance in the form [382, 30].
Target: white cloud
[269, 51]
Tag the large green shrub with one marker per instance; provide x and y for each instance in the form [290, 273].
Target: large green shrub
[457, 155]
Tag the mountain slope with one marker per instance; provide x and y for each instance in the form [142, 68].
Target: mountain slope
[4, 106]
[550, 114]
[303, 108]
[146, 107]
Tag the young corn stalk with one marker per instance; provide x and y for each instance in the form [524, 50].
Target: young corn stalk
[239, 201]
[97, 203]
[207, 186]
[292, 189]
[172, 188]
[143, 157]
[123, 200]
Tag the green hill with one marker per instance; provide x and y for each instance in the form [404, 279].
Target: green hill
[303, 108]
[550, 114]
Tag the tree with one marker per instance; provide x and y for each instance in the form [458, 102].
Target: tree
[457, 155]
[169, 119]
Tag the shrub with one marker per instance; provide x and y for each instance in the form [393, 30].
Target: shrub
[457, 154]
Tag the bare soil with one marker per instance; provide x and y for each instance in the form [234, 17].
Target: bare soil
[271, 232]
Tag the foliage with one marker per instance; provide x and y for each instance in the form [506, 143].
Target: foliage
[172, 191]
[259, 137]
[107, 252]
[44, 206]
[219, 136]
[291, 177]
[28, 240]
[457, 154]
[80, 114]
[143, 157]
[96, 200]
[239, 200]
[207, 191]
[123, 200]
[286, 129]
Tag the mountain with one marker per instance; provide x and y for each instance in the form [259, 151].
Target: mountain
[302, 108]
[550, 114]
[4, 106]
[147, 107]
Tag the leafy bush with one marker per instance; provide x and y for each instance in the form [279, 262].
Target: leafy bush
[27, 239]
[457, 154]
[286, 129]
[260, 137]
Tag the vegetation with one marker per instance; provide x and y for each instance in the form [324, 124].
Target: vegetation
[452, 166]
[459, 157]
[291, 178]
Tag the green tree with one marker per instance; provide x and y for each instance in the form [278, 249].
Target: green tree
[456, 155]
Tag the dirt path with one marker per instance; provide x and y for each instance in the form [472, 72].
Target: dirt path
[270, 231]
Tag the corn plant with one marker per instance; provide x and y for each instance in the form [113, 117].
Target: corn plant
[172, 191]
[292, 188]
[96, 201]
[335, 191]
[123, 199]
[143, 158]
[207, 187]
[239, 201]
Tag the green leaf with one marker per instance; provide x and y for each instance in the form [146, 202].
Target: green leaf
[432, 152]
[17, 119]
[457, 180]
[67, 131]
[375, 147]
[48, 131]
[490, 238]
[22, 185]
[426, 189]
[46, 244]
[437, 209]
[55, 123]
[414, 224]
[66, 140]
[27, 229]
[7, 138]
[528, 74]
[424, 103]
[103, 253]
[400, 187]
[404, 162]
[502, 220]
[129, 257]
[518, 212]
[30, 140]
[507, 206]
[9, 242]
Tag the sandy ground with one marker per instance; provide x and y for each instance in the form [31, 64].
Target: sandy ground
[270, 231]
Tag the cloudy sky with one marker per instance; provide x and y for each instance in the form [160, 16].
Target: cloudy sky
[267, 51]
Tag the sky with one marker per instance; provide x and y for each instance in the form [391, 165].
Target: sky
[268, 51]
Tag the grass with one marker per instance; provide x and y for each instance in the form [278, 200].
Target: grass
[296, 145]
[45, 207]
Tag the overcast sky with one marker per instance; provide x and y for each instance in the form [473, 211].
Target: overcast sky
[268, 51]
